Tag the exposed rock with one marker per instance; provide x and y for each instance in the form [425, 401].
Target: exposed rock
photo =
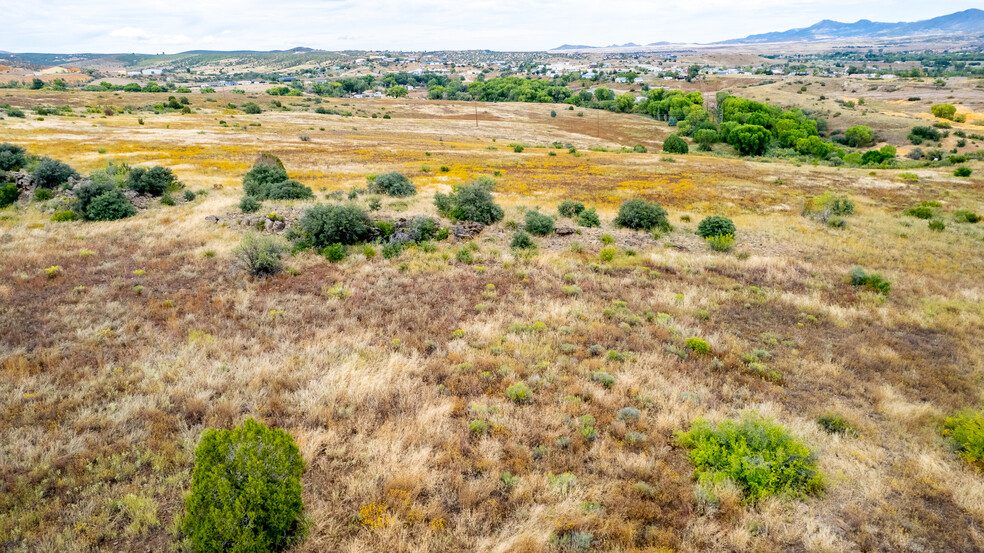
[565, 231]
[467, 230]
[212, 219]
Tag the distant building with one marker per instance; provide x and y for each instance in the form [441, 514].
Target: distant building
[151, 72]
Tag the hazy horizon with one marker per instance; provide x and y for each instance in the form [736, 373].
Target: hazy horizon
[110, 26]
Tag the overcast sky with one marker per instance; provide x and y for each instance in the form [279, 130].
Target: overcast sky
[154, 26]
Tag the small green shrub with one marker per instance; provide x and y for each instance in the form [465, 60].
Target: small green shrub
[603, 378]
[333, 252]
[589, 218]
[720, 243]
[522, 241]
[42, 194]
[63, 216]
[833, 424]
[392, 249]
[478, 427]
[189, 196]
[758, 455]
[872, 280]
[8, 195]
[966, 429]
[288, 190]
[962, 172]
[642, 215]
[260, 255]
[519, 393]
[538, 223]
[250, 204]
[167, 199]
[392, 184]
[715, 226]
[571, 209]
[966, 216]
[698, 346]
[937, 225]
[921, 212]
[245, 491]
[607, 253]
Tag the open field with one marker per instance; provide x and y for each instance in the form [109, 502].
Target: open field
[112, 367]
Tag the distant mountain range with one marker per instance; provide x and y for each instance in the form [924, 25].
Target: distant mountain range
[967, 21]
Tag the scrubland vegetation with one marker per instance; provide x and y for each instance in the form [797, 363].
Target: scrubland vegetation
[219, 337]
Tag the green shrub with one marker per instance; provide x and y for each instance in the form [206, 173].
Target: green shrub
[392, 249]
[333, 252]
[250, 204]
[642, 215]
[538, 223]
[189, 196]
[966, 430]
[464, 256]
[675, 145]
[522, 241]
[963, 172]
[245, 491]
[288, 190]
[829, 204]
[374, 204]
[715, 225]
[263, 174]
[335, 224]
[925, 210]
[607, 253]
[872, 280]
[8, 195]
[252, 108]
[937, 225]
[471, 202]
[720, 243]
[12, 157]
[392, 184]
[759, 456]
[50, 173]
[260, 255]
[519, 393]
[109, 206]
[589, 218]
[698, 346]
[63, 216]
[570, 208]
[833, 424]
[167, 199]
[154, 181]
[965, 216]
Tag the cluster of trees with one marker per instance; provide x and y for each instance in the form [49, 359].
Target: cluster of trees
[152, 86]
[751, 127]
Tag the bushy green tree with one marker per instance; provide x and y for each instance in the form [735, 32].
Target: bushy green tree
[154, 181]
[12, 157]
[335, 224]
[705, 138]
[715, 225]
[50, 173]
[289, 189]
[397, 91]
[675, 145]
[749, 140]
[641, 215]
[392, 184]
[109, 206]
[8, 195]
[859, 136]
[944, 111]
[245, 491]
[471, 202]
[260, 177]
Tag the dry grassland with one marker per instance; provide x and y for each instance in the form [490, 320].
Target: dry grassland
[377, 367]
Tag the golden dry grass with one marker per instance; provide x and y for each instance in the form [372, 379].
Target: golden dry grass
[104, 391]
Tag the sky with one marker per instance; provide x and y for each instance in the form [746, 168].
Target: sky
[171, 26]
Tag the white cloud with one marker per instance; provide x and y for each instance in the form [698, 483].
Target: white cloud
[175, 25]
